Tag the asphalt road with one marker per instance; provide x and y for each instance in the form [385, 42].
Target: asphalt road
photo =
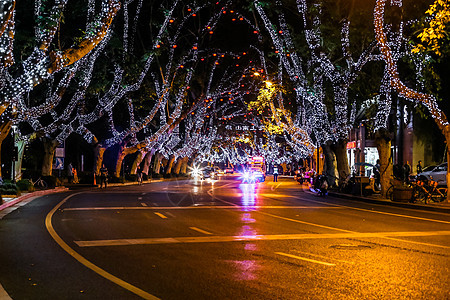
[221, 240]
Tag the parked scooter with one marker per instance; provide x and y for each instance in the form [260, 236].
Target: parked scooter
[319, 185]
[299, 177]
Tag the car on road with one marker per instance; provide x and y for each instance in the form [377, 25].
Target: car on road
[258, 173]
[229, 171]
[210, 172]
[438, 174]
[253, 175]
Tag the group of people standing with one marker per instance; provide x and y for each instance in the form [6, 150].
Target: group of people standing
[103, 175]
[400, 172]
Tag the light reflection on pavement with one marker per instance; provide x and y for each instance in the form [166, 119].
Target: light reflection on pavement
[245, 269]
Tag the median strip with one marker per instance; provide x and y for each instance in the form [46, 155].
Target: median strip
[222, 239]
[198, 207]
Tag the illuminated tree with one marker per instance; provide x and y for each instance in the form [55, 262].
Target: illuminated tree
[310, 68]
[46, 59]
[435, 37]
[429, 101]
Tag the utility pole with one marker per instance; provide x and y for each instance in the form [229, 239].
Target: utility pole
[15, 153]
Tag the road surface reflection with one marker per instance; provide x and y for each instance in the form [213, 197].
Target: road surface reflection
[246, 269]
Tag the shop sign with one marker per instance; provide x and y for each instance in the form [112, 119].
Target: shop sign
[351, 145]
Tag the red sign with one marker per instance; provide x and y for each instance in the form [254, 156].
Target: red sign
[351, 145]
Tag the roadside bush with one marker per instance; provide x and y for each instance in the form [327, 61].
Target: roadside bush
[156, 176]
[131, 177]
[86, 178]
[168, 175]
[116, 180]
[25, 185]
[51, 181]
[9, 188]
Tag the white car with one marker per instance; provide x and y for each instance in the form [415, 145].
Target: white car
[258, 173]
[438, 174]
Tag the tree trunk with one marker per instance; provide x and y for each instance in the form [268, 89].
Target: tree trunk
[383, 141]
[164, 162]
[49, 153]
[4, 131]
[447, 138]
[330, 164]
[184, 165]
[157, 163]
[170, 164]
[18, 165]
[340, 150]
[147, 161]
[178, 165]
[98, 158]
[121, 155]
[137, 161]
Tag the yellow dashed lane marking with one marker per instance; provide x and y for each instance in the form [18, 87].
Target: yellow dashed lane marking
[200, 230]
[160, 215]
[305, 259]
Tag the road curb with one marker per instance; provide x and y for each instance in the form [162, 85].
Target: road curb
[32, 194]
[62, 189]
[391, 203]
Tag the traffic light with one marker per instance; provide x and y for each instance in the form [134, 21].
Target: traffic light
[15, 153]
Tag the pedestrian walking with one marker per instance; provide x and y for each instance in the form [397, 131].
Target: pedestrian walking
[275, 173]
[75, 175]
[103, 176]
[70, 172]
[139, 175]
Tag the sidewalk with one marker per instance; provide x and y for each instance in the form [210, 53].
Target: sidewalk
[377, 199]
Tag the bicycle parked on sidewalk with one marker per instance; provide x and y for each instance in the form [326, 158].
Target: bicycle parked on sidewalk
[426, 192]
[39, 183]
[395, 181]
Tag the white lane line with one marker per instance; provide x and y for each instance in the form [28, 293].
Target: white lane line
[160, 215]
[144, 204]
[221, 239]
[199, 206]
[139, 198]
[200, 230]
[378, 212]
[305, 259]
